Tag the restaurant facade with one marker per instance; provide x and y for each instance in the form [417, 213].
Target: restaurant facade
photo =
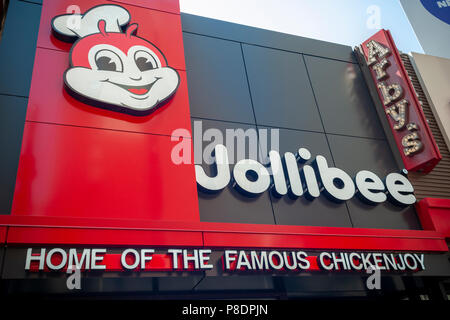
[152, 154]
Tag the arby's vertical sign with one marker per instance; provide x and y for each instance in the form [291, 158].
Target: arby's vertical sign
[402, 108]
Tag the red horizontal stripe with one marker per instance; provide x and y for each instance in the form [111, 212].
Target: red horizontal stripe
[106, 232]
[103, 237]
[247, 240]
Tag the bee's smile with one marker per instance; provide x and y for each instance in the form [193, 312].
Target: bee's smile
[137, 90]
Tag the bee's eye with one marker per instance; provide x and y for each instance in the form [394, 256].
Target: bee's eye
[145, 61]
[108, 60]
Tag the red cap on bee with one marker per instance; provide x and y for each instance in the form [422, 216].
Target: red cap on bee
[79, 56]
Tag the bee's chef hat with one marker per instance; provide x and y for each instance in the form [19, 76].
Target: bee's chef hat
[69, 27]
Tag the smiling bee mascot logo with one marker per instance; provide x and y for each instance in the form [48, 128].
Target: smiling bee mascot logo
[110, 66]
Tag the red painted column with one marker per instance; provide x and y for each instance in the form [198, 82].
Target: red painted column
[80, 161]
[434, 214]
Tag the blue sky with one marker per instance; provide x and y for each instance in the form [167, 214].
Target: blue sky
[339, 21]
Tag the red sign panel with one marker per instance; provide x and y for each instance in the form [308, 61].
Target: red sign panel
[412, 135]
[83, 158]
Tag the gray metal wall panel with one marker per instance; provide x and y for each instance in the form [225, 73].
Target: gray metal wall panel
[343, 98]
[301, 211]
[18, 46]
[353, 154]
[281, 92]
[216, 79]
[229, 205]
[261, 37]
[356, 154]
[12, 114]
[17, 50]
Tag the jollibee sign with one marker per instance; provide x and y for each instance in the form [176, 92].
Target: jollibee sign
[108, 90]
[309, 182]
